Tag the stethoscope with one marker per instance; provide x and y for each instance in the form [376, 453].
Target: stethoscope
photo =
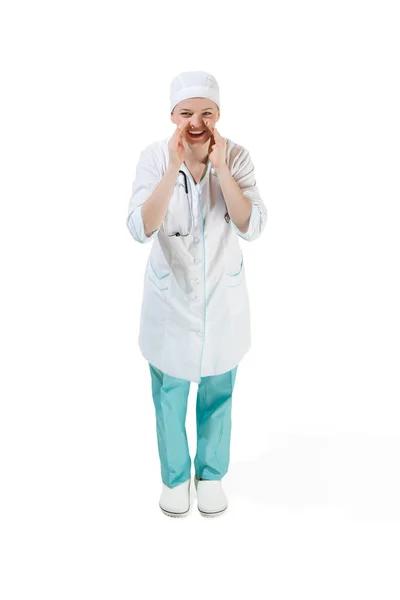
[179, 233]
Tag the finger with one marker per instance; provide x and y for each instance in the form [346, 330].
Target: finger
[211, 130]
[182, 127]
[178, 130]
[177, 133]
[216, 132]
[183, 139]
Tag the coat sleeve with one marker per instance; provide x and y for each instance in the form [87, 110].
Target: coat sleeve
[245, 178]
[146, 180]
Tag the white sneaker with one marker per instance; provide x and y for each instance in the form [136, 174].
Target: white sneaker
[175, 502]
[211, 499]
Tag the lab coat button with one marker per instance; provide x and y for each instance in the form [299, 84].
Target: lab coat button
[196, 240]
[196, 260]
[199, 333]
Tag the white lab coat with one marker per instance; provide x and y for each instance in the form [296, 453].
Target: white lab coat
[195, 313]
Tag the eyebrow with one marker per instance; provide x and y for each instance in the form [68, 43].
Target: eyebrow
[210, 108]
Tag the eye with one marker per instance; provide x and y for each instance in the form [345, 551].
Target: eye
[205, 113]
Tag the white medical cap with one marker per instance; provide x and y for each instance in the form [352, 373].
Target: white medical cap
[194, 84]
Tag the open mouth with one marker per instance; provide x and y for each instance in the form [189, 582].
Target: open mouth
[197, 134]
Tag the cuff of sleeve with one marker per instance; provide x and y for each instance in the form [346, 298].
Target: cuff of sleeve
[253, 223]
[136, 226]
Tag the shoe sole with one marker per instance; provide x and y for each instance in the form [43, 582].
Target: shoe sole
[173, 514]
[212, 514]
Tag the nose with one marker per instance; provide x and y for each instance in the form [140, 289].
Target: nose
[196, 123]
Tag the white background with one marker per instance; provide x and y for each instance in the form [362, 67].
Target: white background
[312, 90]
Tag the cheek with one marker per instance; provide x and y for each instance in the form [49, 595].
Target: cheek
[179, 120]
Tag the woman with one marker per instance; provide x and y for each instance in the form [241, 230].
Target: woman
[194, 195]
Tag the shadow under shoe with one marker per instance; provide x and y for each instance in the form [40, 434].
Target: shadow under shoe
[175, 502]
[211, 499]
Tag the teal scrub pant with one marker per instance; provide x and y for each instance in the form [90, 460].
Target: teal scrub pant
[213, 421]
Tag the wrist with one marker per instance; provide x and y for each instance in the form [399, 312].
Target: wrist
[173, 168]
[222, 169]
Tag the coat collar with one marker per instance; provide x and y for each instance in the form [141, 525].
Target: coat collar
[203, 179]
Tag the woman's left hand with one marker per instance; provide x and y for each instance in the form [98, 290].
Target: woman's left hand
[217, 148]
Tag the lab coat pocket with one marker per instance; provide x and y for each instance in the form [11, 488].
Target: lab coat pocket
[159, 275]
[234, 277]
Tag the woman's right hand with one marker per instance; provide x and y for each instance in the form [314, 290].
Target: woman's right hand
[177, 145]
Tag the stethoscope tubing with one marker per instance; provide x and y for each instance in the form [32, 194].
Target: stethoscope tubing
[190, 209]
[186, 184]
[227, 218]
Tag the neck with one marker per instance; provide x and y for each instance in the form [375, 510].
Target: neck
[198, 154]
